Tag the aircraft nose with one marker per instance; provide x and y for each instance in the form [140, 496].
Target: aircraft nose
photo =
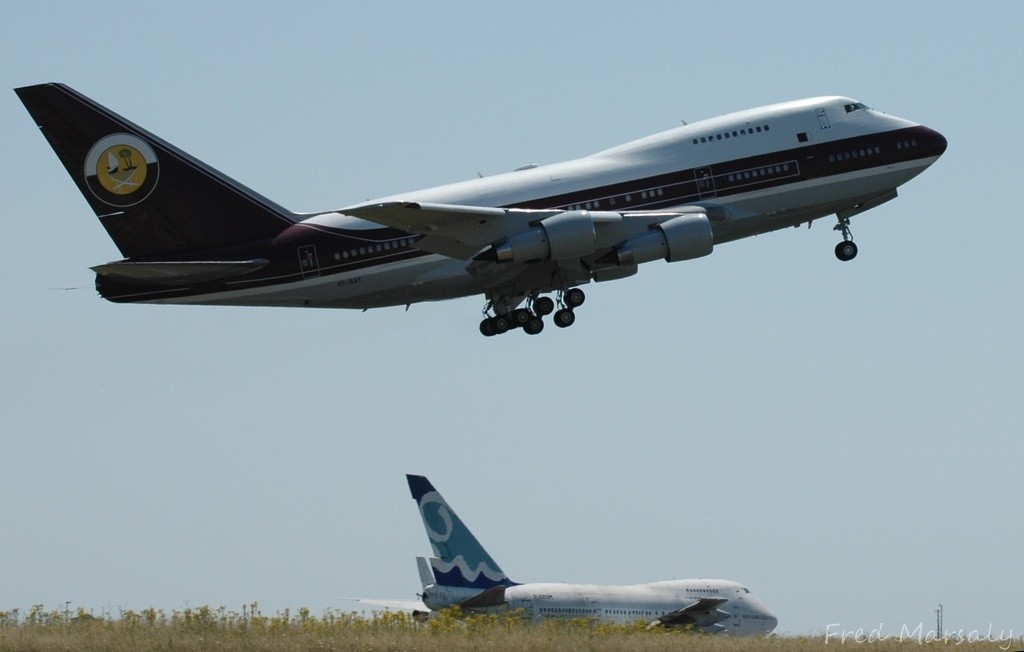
[767, 620]
[934, 142]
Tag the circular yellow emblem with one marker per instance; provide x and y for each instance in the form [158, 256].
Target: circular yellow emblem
[121, 169]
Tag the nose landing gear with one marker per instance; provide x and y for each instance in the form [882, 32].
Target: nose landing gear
[847, 249]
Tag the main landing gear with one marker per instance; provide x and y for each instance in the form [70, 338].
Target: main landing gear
[847, 249]
[531, 318]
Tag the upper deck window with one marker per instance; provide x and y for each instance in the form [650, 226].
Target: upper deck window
[856, 106]
[747, 131]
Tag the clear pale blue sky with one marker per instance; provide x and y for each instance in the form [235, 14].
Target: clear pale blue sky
[843, 438]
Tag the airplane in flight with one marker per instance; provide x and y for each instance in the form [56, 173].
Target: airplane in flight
[463, 573]
[526, 240]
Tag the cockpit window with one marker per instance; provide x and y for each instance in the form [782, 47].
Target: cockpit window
[856, 106]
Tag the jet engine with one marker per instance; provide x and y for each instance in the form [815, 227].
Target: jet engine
[681, 238]
[571, 234]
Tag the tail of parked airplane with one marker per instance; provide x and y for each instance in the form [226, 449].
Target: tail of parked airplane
[460, 559]
[156, 202]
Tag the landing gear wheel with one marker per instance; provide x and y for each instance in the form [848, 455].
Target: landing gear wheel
[520, 317]
[534, 325]
[846, 250]
[574, 298]
[543, 306]
[565, 318]
[485, 328]
[500, 324]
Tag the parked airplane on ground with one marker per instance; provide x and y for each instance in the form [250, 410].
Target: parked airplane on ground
[191, 235]
[462, 573]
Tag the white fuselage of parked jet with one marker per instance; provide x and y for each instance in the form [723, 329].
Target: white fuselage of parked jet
[740, 612]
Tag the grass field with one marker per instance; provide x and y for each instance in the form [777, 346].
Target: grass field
[204, 628]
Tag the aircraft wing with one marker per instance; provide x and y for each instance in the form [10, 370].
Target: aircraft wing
[702, 613]
[451, 230]
[517, 251]
[462, 232]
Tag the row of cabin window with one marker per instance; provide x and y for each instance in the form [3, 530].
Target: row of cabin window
[760, 172]
[618, 612]
[714, 591]
[644, 194]
[856, 153]
[659, 192]
[906, 144]
[630, 612]
[369, 249]
[735, 134]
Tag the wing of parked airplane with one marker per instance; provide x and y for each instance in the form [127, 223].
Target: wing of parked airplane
[702, 613]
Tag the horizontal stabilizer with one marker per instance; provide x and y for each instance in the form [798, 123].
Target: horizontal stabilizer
[177, 272]
[395, 604]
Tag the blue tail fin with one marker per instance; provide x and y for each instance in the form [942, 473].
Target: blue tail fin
[461, 560]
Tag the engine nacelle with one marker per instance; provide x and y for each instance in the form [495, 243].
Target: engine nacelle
[681, 238]
[571, 234]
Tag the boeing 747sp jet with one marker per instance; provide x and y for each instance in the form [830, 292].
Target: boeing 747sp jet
[191, 235]
[462, 573]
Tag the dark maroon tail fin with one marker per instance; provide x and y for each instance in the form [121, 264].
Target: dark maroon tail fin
[155, 201]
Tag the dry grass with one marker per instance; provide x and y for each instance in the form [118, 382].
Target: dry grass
[204, 628]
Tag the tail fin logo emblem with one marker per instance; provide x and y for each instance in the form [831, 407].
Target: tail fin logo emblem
[121, 170]
[436, 517]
